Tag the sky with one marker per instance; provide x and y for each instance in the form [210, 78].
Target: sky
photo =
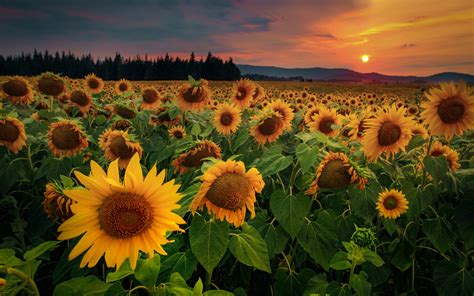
[401, 37]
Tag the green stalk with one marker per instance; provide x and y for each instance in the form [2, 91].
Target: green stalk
[24, 277]
[424, 168]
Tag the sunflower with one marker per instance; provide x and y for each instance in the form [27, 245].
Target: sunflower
[124, 110]
[227, 191]
[12, 134]
[259, 93]
[308, 117]
[419, 129]
[93, 84]
[412, 110]
[51, 84]
[121, 124]
[391, 204]
[66, 138]
[177, 132]
[18, 90]
[117, 144]
[357, 125]
[244, 90]
[227, 119]
[195, 156]
[452, 157]
[162, 116]
[194, 95]
[150, 98]
[285, 111]
[450, 110]
[81, 100]
[336, 171]
[324, 120]
[267, 126]
[389, 131]
[119, 218]
[122, 86]
[55, 204]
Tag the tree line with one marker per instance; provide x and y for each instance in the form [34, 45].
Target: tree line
[117, 67]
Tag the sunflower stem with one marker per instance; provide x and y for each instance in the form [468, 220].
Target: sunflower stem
[51, 102]
[29, 157]
[24, 277]
[413, 274]
[424, 168]
[208, 279]
[294, 172]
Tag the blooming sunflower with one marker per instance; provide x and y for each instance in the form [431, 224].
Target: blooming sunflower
[227, 119]
[324, 120]
[227, 190]
[117, 144]
[259, 93]
[12, 134]
[356, 124]
[388, 131]
[51, 84]
[267, 126]
[285, 111]
[151, 98]
[194, 95]
[336, 171]
[419, 129]
[177, 132]
[391, 204]
[450, 110]
[244, 90]
[93, 84]
[66, 138]
[82, 100]
[55, 203]
[18, 90]
[195, 156]
[122, 86]
[119, 218]
[452, 156]
[308, 117]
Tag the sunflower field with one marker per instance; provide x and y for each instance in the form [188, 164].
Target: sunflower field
[235, 188]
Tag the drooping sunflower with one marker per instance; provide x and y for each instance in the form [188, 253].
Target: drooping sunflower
[194, 95]
[118, 144]
[120, 219]
[93, 84]
[55, 204]
[227, 119]
[285, 111]
[267, 126]
[336, 171]
[452, 156]
[150, 98]
[125, 109]
[12, 134]
[81, 99]
[66, 138]
[450, 110]
[388, 131]
[227, 190]
[122, 86]
[324, 120]
[18, 90]
[244, 90]
[194, 157]
[51, 84]
[391, 204]
[177, 132]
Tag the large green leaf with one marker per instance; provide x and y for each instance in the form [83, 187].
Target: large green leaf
[273, 161]
[183, 262]
[275, 237]
[465, 223]
[363, 201]
[437, 167]
[250, 248]
[82, 286]
[209, 240]
[340, 262]
[8, 258]
[403, 253]
[307, 156]
[124, 271]
[451, 279]
[39, 250]
[147, 270]
[360, 284]
[290, 210]
[438, 231]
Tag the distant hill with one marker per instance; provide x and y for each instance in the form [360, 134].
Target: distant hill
[340, 74]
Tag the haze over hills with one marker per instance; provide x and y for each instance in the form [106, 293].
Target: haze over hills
[340, 74]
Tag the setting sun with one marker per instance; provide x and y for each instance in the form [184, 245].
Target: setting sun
[364, 58]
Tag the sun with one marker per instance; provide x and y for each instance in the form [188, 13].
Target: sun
[365, 58]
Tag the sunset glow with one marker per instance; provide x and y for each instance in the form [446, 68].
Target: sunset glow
[365, 58]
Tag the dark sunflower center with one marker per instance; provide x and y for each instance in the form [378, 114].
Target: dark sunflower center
[119, 147]
[8, 132]
[451, 110]
[178, 134]
[195, 159]
[334, 175]
[226, 118]
[193, 98]
[80, 98]
[16, 88]
[125, 215]
[65, 137]
[269, 126]
[436, 152]
[389, 133]
[412, 110]
[164, 116]
[121, 124]
[125, 112]
[51, 86]
[123, 87]
[325, 125]
[93, 83]
[390, 202]
[241, 94]
[229, 191]
[150, 96]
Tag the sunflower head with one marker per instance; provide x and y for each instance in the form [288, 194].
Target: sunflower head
[267, 126]
[452, 156]
[121, 124]
[93, 83]
[228, 190]
[284, 109]
[391, 204]
[12, 134]
[18, 90]
[150, 98]
[120, 145]
[194, 157]
[324, 120]
[81, 99]
[55, 204]
[123, 86]
[66, 138]
[227, 119]
[177, 132]
[125, 109]
[193, 95]
[51, 84]
[244, 91]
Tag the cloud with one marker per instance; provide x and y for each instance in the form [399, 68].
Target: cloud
[408, 45]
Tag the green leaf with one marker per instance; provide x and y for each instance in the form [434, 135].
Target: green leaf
[147, 270]
[82, 286]
[307, 156]
[183, 262]
[360, 284]
[317, 285]
[197, 290]
[250, 248]
[437, 167]
[272, 161]
[287, 284]
[217, 293]
[319, 238]
[372, 257]
[275, 237]
[438, 231]
[209, 240]
[124, 271]
[465, 223]
[340, 262]
[8, 258]
[290, 211]
[39, 250]
[363, 201]
[195, 130]
[451, 279]
[402, 255]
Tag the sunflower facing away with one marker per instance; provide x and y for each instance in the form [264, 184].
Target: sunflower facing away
[391, 204]
[55, 203]
[81, 99]
[195, 156]
[118, 144]
[450, 110]
[226, 119]
[324, 120]
[66, 138]
[51, 84]
[267, 126]
[12, 134]
[18, 90]
[389, 131]
[150, 98]
[122, 86]
[119, 218]
[244, 90]
[93, 84]
[194, 95]
[227, 191]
